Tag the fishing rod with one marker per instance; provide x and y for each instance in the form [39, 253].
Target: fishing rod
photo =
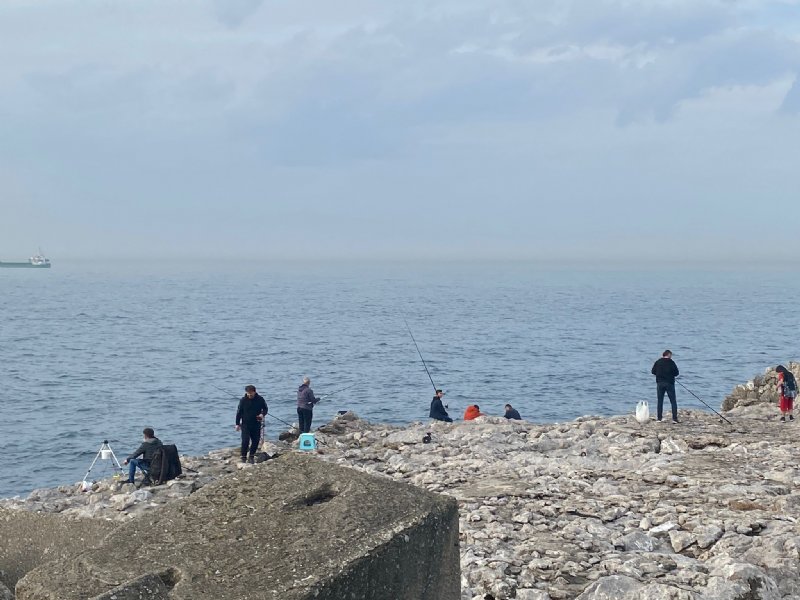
[227, 393]
[349, 387]
[263, 437]
[698, 397]
[420, 355]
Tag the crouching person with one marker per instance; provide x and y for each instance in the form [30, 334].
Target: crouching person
[146, 450]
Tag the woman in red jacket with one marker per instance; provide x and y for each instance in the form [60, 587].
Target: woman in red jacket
[473, 412]
[787, 386]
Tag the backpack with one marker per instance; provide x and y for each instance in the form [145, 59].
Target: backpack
[165, 465]
[789, 385]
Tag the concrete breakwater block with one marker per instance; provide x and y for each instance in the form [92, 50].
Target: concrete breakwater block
[27, 540]
[294, 528]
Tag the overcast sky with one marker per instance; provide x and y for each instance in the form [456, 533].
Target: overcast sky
[400, 129]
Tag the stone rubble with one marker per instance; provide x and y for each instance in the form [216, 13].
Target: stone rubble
[597, 508]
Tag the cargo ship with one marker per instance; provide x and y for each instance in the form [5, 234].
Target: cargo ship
[37, 261]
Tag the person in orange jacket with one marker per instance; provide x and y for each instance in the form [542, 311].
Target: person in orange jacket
[473, 412]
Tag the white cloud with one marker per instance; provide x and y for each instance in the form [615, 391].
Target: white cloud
[407, 103]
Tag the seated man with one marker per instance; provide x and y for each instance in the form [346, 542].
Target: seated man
[146, 450]
[512, 413]
[473, 412]
[438, 411]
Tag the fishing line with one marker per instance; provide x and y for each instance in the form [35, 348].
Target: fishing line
[420, 355]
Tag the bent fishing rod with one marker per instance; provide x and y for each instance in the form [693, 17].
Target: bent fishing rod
[420, 355]
[701, 400]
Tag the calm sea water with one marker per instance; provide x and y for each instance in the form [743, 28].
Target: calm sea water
[98, 351]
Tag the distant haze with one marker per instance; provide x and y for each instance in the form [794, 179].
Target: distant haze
[497, 129]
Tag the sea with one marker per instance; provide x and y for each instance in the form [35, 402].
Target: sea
[96, 351]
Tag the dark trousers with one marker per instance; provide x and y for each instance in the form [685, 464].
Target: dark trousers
[304, 419]
[251, 436]
[669, 388]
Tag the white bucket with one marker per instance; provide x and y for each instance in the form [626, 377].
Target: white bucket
[105, 454]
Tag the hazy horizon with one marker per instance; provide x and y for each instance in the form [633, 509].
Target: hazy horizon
[658, 130]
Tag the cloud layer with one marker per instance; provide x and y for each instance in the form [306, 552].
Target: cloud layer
[401, 129]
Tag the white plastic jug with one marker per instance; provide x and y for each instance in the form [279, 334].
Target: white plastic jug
[642, 412]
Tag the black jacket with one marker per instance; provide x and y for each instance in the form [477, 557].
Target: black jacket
[665, 370]
[146, 450]
[437, 410]
[513, 414]
[249, 409]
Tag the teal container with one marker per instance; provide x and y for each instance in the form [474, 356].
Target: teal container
[307, 442]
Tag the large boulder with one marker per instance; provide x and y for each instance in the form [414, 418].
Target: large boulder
[294, 528]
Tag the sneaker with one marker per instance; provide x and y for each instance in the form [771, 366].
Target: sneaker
[675, 421]
[252, 460]
[783, 419]
[791, 417]
[243, 459]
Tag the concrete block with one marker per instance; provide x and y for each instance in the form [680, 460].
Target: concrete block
[294, 528]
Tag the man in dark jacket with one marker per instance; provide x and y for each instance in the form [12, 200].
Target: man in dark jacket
[146, 450]
[666, 371]
[437, 408]
[512, 413]
[249, 417]
[305, 405]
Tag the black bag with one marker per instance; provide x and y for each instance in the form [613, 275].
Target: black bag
[789, 386]
[166, 464]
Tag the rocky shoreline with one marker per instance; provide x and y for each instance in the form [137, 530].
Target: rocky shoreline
[590, 509]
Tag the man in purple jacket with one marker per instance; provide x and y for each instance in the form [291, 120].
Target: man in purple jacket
[305, 405]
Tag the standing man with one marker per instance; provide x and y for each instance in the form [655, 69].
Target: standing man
[147, 449]
[305, 405]
[249, 417]
[437, 408]
[666, 371]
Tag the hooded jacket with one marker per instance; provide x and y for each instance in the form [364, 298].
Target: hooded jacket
[472, 412]
[305, 397]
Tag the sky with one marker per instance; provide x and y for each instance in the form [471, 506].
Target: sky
[408, 129]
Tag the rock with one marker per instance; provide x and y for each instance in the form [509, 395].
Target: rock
[5, 593]
[663, 529]
[531, 594]
[638, 542]
[681, 540]
[615, 587]
[707, 535]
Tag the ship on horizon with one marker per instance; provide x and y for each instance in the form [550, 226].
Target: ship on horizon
[37, 261]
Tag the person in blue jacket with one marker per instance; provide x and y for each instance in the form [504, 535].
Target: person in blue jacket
[512, 413]
[438, 411]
